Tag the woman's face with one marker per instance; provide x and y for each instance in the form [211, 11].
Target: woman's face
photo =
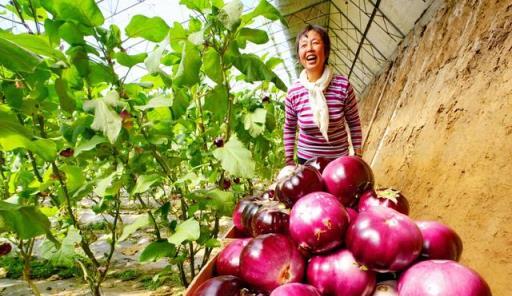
[311, 52]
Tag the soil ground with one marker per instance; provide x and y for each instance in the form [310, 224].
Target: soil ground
[443, 129]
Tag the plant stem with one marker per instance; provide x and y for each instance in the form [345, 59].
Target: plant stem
[5, 183]
[192, 259]
[104, 271]
[183, 277]
[34, 166]
[201, 121]
[20, 14]
[153, 220]
[84, 242]
[26, 254]
[34, 15]
[215, 234]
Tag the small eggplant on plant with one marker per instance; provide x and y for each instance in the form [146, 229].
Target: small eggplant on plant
[219, 142]
[5, 248]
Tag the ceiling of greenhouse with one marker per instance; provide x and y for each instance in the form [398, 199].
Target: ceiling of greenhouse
[364, 33]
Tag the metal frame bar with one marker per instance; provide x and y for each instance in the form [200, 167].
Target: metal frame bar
[385, 28]
[386, 20]
[354, 39]
[358, 30]
[350, 49]
[370, 21]
[342, 60]
[402, 35]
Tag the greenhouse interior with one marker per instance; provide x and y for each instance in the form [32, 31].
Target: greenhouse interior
[255, 147]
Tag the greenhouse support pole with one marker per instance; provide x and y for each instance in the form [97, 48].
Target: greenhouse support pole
[374, 115]
[370, 21]
[386, 130]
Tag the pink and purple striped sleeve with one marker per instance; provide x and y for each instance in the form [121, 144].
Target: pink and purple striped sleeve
[352, 118]
[290, 128]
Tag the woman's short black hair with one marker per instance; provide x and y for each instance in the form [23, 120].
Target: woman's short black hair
[323, 34]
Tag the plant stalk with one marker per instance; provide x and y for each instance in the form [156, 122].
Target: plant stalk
[34, 14]
[20, 14]
[26, 253]
[153, 220]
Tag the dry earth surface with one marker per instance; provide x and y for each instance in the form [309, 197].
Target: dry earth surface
[443, 129]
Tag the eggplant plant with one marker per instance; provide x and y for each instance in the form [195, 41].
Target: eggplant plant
[76, 129]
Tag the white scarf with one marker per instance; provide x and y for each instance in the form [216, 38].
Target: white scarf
[317, 99]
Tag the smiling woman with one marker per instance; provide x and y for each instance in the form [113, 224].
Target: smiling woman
[320, 103]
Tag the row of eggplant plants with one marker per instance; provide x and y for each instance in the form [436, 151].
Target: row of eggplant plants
[180, 132]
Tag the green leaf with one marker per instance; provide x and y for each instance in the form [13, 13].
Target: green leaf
[153, 29]
[72, 78]
[66, 101]
[196, 38]
[197, 5]
[178, 36]
[235, 158]
[255, 70]
[273, 62]
[212, 243]
[71, 33]
[113, 37]
[12, 134]
[194, 25]
[232, 53]
[145, 182]
[230, 13]
[33, 43]
[212, 66]
[79, 58]
[254, 122]
[17, 59]
[216, 101]
[180, 103]
[171, 59]
[130, 60]
[105, 186]
[152, 61]
[156, 102]
[89, 144]
[270, 120]
[45, 148]
[141, 221]
[74, 177]
[26, 221]
[188, 70]
[49, 211]
[105, 119]
[84, 11]
[187, 230]
[100, 74]
[266, 10]
[65, 255]
[253, 35]
[51, 28]
[157, 250]
[222, 201]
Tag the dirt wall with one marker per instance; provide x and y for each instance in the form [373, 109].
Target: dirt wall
[442, 130]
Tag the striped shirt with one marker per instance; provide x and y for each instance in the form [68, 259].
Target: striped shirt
[342, 105]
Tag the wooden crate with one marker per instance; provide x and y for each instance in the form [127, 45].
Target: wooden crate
[207, 271]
